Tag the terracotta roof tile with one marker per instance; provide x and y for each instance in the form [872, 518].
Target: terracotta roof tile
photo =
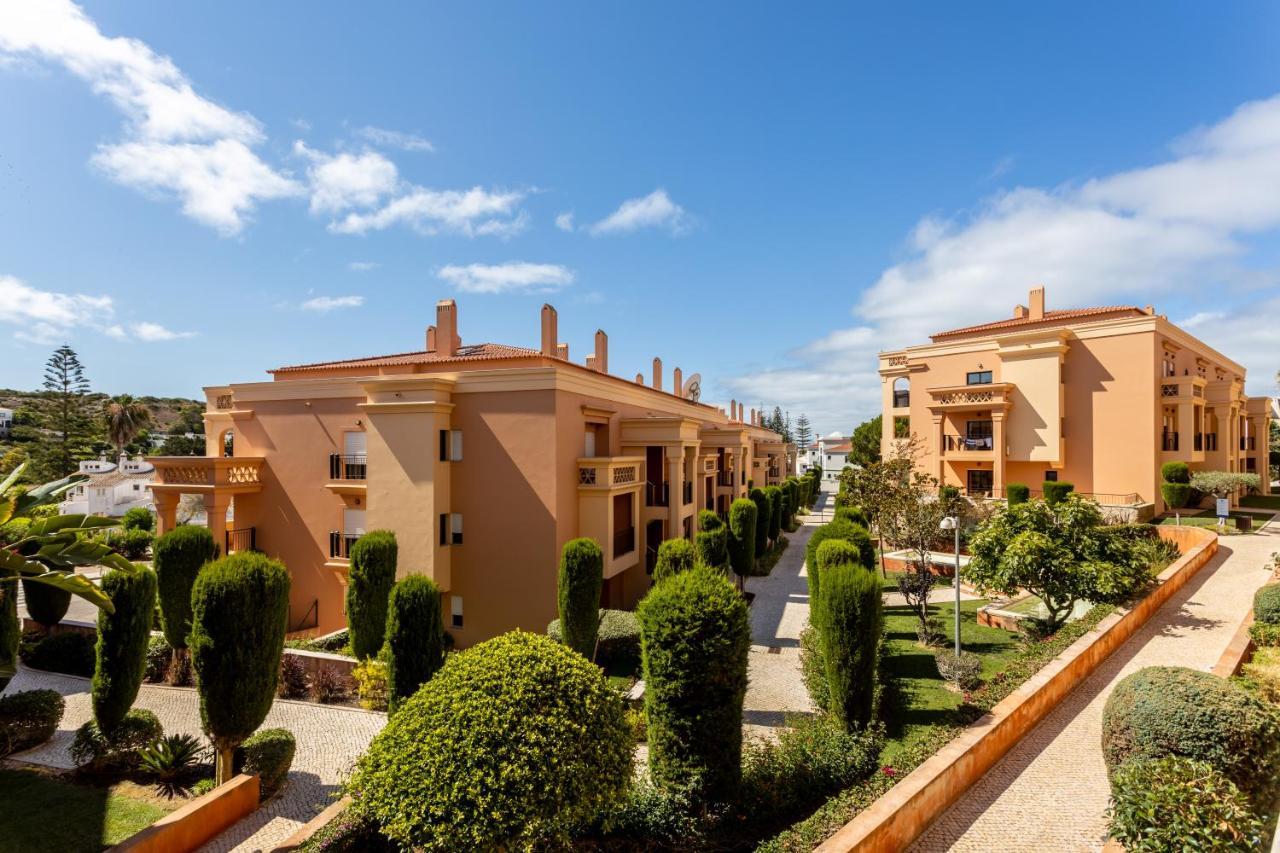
[1050, 317]
[471, 352]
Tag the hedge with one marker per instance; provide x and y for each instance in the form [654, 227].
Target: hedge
[1266, 604]
[852, 514]
[513, 743]
[674, 556]
[764, 517]
[178, 557]
[120, 656]
[29, 718]
[139, 729]
[774, 495]
[840, 529]
[45, 604]
[1056, 491]
[370, 577]
[1164, 710]
[415, 637]
[239, 608]
[850, 622]
[138, 518]
[708, 520]
[269, 753]
[1175, 472]
[694, 637]
[1175, 803]
[71, 653]
[578, 594]
[830, 553]
[617, 642]
[1017, 493]
[743, 516]
[713, 547]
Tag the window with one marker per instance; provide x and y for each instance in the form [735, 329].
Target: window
[978, 377]
[455, 525]
[589, 443]
[455, 609]
[980, 482]
[1051, 476]
[450, 445]
[901, 393]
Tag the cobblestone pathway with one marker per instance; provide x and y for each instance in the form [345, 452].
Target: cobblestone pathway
[1050, 792]
[330, 738]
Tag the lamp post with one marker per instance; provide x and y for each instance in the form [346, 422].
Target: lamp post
[952, 522]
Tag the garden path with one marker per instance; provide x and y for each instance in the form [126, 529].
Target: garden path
[330, 738]
[1050, 793]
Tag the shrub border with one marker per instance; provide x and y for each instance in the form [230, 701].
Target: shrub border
[903, 813]
[199, 820]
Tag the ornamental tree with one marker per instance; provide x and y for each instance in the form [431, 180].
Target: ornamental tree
[578, 588]
[674, 556]
[371, 575]
[415, 637]
[764, 512]
[120, 656]
[178, 557]
[1223, 483]
[849, 620]
[742, 537]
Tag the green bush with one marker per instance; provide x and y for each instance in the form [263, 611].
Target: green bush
[618, 640]
[1176, 803]
[578, 594]
[1162, 710]
[963, 670]
[178, 557]
[851, 514]
[813, 669]
[773, 495]
[139, 729]
[513, 743]
[713, 547]
[708, 520]
[1266, 604]
[830, 553]
[370, 676]
[138, 518]
[349, 832]
[743, 516]
[674, 556]
[694, 637]
[764, 516]
[1056, 491]
[415, 637]
[790, 501]
[839, 529]
[28, 718]
[1265, 634]
[269, 753]
[45, 604]
[1175, 472]
[1175, 495]
[239, 606]
[130, 544]
[120, 656]
[370, 576]
[1017, 493]
[71, 653]
[850, 622]
[10, 628]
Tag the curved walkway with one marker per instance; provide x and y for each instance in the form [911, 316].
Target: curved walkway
[1050, 793]
[330, 738]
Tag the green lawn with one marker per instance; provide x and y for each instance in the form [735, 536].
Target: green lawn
[39, 812]
[1261, 501]
[1210, 520]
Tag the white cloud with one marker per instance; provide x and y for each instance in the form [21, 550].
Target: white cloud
[565, 221]
[171, 129]
[46, 317]
[656, 210]
[363, 266]
[148, 331]
[1178, 230]
[329, 303]
[342, 181]
[473, 212]
[395, 139]
[511, 277]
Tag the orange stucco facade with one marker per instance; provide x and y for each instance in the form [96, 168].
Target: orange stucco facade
[1098, 397]
[484, 459]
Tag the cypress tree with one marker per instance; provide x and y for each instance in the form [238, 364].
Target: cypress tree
[120, 656]
[369, 581]
[763, 513]
[774, 494]
[578, 594]
[831, 553]
[178, 557]
[674, 556]
[850, 622]
[713, 547]
[742, 537]
[415, 637]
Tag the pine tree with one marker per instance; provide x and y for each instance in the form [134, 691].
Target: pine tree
[64, 413]
[804, 432]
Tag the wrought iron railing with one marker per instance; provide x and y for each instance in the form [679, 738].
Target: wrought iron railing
[956, 443]
[241, 539]
[688, 493]
[340, 544]
[1169, 442]
[348, 467]
[657, 494]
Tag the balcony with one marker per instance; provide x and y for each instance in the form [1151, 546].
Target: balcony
[207, 474]
[1248, 442]
[1169, 442]
[343, 467]
[340, 544]
[241, 539]
[624, 542]
[960, 398]
[657, 494]
[725, 478]
[688, 493]
[1210, 441]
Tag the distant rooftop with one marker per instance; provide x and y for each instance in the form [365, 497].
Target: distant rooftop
[1035, 315]
[470, 352]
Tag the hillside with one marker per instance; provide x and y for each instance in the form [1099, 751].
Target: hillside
[165, 411]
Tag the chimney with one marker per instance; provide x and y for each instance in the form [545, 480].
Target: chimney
[447, 341]
[1036, 301]
[753, 416]
[431, 338]
[562, 351]
[657, 373]
[733, 410]
[591, 362]
[677, 382]
[549, 334]
[602, 351]
[1019, 312]
[639, 378]
[742, 411]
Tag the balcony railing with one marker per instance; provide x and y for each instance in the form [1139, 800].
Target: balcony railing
[1104, 498]
[624, 542]
[1248, 442]
[1169, 442]
[955, 443]
[344, 467]
[657, 494]
[1198, 444]
[688, 493]
[241, 539]
[1210, 441]
[725, 478]
[340, 544]
[901, 399]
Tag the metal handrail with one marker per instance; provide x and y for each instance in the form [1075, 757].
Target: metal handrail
[348, 467]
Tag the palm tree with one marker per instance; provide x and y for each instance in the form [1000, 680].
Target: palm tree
[126, 417]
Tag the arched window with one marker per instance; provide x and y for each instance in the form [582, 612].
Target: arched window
[901, 392]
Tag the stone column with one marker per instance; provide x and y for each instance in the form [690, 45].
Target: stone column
[937, 449]
[997, 445]
[215, 507]
[675, 492]
[166, 511]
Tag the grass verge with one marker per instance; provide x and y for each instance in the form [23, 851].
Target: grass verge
[41, 812]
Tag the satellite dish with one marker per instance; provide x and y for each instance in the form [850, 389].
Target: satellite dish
[692, 388]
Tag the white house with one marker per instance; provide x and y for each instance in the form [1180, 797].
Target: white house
[112, 488]
[6, 422]
[830, 453]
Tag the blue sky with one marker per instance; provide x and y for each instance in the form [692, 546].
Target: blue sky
[191, 194]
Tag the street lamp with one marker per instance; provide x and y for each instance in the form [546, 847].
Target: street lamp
[952, 522]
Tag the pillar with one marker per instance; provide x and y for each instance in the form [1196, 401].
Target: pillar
[215, 508]
[937, 449]
[166, 511]
[675, 491]
[997, 445]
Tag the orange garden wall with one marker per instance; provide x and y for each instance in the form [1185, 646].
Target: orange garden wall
[198, 821]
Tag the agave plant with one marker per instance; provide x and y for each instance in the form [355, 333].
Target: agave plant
[169, 759]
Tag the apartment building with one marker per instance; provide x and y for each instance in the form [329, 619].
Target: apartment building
[1098, 397]
[483, 458]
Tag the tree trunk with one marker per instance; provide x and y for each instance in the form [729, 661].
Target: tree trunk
[223, 768]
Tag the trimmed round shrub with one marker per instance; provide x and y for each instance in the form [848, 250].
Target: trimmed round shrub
[370, 577]
[178, 557]
[618, 640]
[139, 729]
[578, 594]
[1266, 604]
[774, 495]
[1176, 803]
[130, 544]
[269, 753]
[1175, 495]
[764, 516]
[138, 518]
[708, 520]
[1017, 493]
[45, 604]
[239, 606]
[71, 653]
[850, 622]
[743, 516]
[1164, 710]
[963, 670]
[415, 637]
[1175, 472]
[713, 547]
[516, 741]
[674, 556]
[851, 514]
[832, 552]
[28, 718]
[120, 656]
[1056, 491]
[694, 637]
